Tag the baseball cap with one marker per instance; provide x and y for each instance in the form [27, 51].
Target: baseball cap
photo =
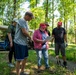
[29, 14]
[42, 25]
[59, 23]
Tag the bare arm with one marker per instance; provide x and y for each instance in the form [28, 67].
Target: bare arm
[24, 31]
[10, 39]
[38, 40]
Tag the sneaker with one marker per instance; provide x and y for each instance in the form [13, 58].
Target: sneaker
[65, 64]
[10, 65]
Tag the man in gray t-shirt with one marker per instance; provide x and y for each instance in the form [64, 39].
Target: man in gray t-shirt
[20, 40]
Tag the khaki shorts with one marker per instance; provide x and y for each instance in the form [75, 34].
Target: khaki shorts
[60, 47]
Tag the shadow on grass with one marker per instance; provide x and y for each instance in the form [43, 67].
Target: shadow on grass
[31, 66]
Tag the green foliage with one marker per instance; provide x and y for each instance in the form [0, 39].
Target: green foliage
[39, 18]
[46, 11]
[71, 33]
[7, 10]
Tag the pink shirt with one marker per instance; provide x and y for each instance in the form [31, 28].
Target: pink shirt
[37, 35]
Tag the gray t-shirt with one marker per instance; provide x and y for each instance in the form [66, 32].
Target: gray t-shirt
[20, 38]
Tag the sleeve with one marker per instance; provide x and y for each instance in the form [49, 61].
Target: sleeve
[35, 35]
[9, 29]
[21, 23]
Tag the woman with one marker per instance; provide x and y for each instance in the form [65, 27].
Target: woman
[41, 45]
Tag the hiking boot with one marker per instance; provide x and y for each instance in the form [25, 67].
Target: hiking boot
[59, 62]
[39, 69]
[65, 64]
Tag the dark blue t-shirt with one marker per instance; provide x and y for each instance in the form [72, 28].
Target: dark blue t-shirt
[59, 34]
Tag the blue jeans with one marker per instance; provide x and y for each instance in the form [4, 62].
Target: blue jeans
[43, 52]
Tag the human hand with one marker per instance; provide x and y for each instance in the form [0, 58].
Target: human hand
[44, 41]
[11, 44]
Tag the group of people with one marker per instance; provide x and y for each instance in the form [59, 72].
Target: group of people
[18, 33]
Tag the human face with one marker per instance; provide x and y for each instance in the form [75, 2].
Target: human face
[14, 23]
[59, 26]
[47, 26]
[42, 29]
[27, 18]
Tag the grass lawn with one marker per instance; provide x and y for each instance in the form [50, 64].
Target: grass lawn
[31, 65]
[70, 52]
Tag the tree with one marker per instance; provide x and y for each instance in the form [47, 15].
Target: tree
[52, 14]
[74, 18]
[46, 11]
[14, 7]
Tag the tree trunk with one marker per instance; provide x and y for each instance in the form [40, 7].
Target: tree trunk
[74, 19]
[64, 15]
[75, 27]
[64, 12]
[36, 3]
[52, 14]
[46, 11]
[66, 25]
[14, 7]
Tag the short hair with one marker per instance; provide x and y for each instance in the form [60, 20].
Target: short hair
[29, 14]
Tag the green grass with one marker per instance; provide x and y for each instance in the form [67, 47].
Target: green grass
[31, 66]
[70, 52]
[4, 70]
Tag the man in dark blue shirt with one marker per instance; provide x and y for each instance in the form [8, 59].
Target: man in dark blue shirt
[60, 38]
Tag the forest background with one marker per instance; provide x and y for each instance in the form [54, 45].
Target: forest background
[50, 11]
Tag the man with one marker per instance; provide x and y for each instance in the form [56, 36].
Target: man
[41, 45]
[21, 49]
[11, 33]
[60, 37]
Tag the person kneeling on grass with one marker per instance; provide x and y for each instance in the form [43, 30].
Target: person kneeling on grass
[41, 45]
